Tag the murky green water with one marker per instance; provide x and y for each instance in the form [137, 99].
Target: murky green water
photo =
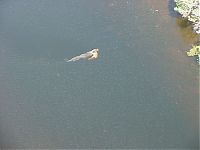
[142, 92]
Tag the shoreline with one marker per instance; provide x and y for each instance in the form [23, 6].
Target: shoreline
[189, 9]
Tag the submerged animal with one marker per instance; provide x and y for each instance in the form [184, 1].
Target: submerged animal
[91, 55]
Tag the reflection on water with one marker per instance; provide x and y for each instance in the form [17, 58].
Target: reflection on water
[186, 31]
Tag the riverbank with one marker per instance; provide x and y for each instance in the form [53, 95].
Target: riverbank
[190, 9]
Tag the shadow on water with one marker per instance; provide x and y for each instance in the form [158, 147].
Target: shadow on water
[185, 26]
[186, 31]
[171, 6]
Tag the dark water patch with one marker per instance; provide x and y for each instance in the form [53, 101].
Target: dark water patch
[171, 6]
[186, 31]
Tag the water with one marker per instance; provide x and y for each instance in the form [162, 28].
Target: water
[142, 92]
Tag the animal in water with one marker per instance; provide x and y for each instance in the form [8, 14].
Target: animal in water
[91, 55]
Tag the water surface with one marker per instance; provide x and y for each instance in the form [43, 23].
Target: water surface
[142, 92]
